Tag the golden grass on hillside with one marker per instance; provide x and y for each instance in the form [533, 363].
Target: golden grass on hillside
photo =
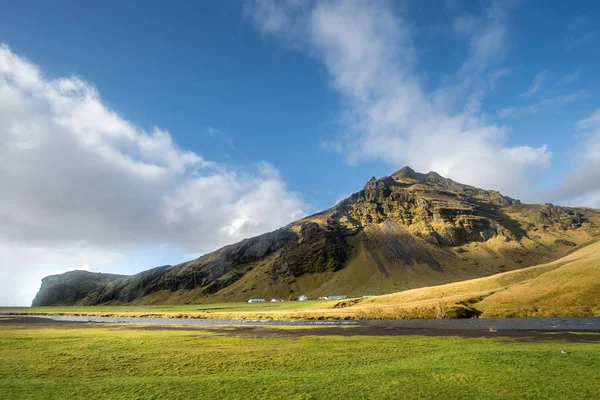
[569, 286]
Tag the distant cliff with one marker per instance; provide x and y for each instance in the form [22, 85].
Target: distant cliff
[71, 287]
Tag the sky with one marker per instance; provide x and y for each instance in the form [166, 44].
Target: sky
[133, 137]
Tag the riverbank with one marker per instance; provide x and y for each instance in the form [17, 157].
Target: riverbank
[492, 325]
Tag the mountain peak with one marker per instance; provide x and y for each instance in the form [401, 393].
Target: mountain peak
[409, 173]
[433, 183]
[406, 172]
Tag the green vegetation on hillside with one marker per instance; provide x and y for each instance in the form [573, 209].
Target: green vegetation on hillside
[120, 362]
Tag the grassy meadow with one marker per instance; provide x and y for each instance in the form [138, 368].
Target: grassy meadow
[212, 310]
[123, 362]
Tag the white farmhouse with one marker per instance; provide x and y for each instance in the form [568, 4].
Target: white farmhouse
[256, 301]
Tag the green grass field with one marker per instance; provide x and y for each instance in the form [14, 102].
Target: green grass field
[115, 361]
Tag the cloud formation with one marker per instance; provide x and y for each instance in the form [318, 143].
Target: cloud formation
[372, 61]
[538, 82]
[583, 31]
[211, 130]
[80, 183]
[581, 185]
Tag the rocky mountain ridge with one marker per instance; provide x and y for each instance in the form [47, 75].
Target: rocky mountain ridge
[401, 231]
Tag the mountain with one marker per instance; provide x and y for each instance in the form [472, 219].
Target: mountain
[71, 287]
[403, 231]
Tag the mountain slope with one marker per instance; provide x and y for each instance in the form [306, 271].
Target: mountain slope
[399, 232]
[569, 286]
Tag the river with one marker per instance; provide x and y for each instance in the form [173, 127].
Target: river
[591, 324]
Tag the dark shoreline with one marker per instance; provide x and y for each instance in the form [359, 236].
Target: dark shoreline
[555, 324]
[448, 328]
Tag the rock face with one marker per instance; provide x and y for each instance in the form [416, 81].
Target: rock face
[433, 208]
[292, 252]
[71, 287]
[401, 231]
[563, 217]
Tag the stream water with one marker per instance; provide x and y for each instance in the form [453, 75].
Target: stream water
[517, 324]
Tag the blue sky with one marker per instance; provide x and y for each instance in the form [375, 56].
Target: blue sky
[158, 132]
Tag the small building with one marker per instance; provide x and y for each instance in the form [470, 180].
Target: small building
[276, 300]
[302, 298]
[323, 298]
[256, 301]
[337, 297]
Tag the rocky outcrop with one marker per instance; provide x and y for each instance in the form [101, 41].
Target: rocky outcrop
[71, 287]
[318, 249]
[434, 208]
[564, 217]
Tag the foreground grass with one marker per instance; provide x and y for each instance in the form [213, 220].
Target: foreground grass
[119, 362]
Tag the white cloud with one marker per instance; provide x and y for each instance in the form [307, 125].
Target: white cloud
[496, 76]
[583, 32]
[211, 130]
[545, 102]
[554, 101]
[389, 116]
[23, 266]
[590, 123]
[229, 205]
[571, 77]
[216, 132]
[507, 112]
[581, 186]
[78, 178]
[284, 18]
[538, 83]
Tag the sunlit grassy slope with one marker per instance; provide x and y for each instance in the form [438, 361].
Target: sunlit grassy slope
[569, 286]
